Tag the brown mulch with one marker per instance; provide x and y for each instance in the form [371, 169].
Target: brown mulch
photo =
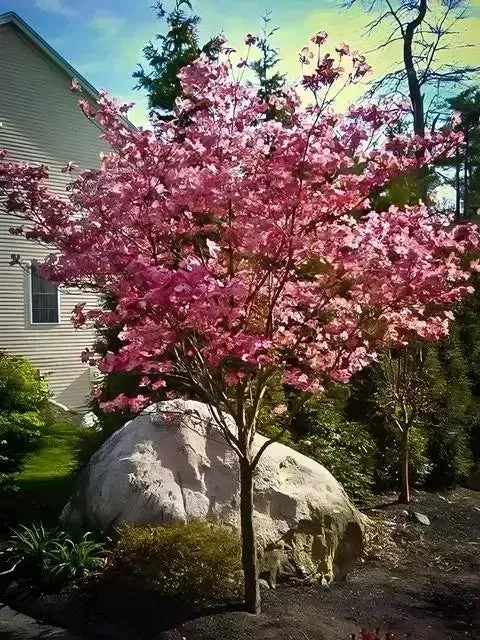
[415, 581]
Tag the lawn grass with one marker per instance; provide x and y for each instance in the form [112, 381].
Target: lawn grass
[47, 480]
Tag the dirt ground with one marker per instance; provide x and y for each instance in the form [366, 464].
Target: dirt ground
[426, 584]
[416, 581]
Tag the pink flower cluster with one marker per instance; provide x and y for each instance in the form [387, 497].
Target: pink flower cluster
[247, 244]
[328, 70]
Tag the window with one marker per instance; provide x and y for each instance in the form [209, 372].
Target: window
[44, 299]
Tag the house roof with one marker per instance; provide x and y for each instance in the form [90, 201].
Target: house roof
[33, 37]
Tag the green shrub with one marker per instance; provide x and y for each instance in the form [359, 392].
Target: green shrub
[24, 413]
[22, 389]
[29, 549]
[19, 435]
[450, 455]
[346, 449]
[70, 560]
[184, 562]
[87, 441]
[50, 556]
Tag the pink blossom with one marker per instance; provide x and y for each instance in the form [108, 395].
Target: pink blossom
[70, 166]
[320, 37]
[343, 49]
[249, 247]
[306, 56]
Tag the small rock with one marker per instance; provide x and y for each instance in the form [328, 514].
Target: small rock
[420, 517]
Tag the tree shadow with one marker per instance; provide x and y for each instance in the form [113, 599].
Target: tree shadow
[383, 505]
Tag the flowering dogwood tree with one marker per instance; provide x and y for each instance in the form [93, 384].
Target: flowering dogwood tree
[241, 248]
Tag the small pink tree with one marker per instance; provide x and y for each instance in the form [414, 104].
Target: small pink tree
[241, 248]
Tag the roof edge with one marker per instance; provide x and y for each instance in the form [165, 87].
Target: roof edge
[10, 17]
[13, 18]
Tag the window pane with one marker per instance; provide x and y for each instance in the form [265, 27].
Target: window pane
[44, 300]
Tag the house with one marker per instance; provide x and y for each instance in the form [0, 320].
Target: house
[42, 123]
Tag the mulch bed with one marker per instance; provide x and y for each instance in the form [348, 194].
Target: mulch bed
[422, 580]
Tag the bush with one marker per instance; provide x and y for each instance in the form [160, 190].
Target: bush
[24, 413]
[346, 449]
[320, 431]
[19, 435]
[87, 441]
[71, 560]
[50, 556]
[190, 562]
[22, 389]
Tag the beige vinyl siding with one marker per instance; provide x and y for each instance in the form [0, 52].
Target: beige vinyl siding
[41, 123]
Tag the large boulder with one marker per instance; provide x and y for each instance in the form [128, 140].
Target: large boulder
[171, 464]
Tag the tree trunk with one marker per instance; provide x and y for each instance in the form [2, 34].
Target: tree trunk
[404, 497]
[414, 87]
[465, 176]
[415, 91]
[458, 195]
[249, 546]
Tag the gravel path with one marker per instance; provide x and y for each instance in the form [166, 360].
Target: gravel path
[16, 626]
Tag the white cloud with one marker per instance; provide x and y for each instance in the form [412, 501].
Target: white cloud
[106, 22]
[56, 6]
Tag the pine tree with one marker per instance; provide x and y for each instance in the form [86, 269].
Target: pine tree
[466, 107]
[271, 81]
[179, 46]
[448, 425]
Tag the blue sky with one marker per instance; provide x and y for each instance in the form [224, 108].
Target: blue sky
[103, 39]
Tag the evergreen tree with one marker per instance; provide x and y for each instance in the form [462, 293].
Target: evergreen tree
[448, 424]
[271, 81]
[466, 107]
[179, 46]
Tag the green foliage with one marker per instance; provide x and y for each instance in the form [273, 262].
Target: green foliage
[179, 47]
[19, 435]
[271, 83]
[21, 387]
[29, 550]
[71, 560]
[317, 428]
[450, 422]
[87, 441]
[23, 414]
[439, 394]
[50, 557]
[468, 327]
[189, 562]
[466, 162]
[346, 449]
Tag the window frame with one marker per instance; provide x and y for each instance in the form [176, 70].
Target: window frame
[33, 264]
